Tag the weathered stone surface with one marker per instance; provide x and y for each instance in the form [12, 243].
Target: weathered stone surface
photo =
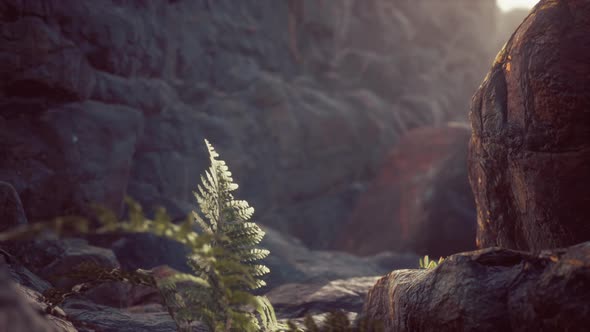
[100, 100]
[21, 274]
[421, 199]
[111, 306]
[488, 290]
[530, 148]
[122, 295]
[88, 316]
[53, 259]
[291, 262]
[146, 251]
[21, 308]
[11, 208]
[299, 300]
[70, 155]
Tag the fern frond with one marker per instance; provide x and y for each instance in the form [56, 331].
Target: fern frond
[259, 270]
[225, 261]
[205, 227]
[212, 153]
[259, 284]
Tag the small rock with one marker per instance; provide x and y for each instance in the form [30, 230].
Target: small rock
[299, 300]
[12, 213]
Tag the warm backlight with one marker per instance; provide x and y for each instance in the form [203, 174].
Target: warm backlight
[507, 5]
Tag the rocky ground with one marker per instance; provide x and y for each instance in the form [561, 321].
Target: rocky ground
[303, 282]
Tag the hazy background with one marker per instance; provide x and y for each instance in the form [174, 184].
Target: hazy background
[343, 121]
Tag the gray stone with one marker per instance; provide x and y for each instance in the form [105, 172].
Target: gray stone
[291, 262]
[146, 251]
[21, 309]
[11, 208]
[52, 259]
[298, 300]
[93, 317]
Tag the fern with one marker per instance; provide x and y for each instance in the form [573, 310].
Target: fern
[223, 257]
[225, 266]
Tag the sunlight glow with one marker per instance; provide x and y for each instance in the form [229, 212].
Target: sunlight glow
[506, 5]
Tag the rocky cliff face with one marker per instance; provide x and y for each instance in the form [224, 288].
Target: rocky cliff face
[529, 152]
[104, 99]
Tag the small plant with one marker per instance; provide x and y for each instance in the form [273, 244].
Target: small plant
[227, 262]
[426, 263]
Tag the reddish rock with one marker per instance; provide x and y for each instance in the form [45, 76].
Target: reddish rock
[530, 148]
[421, 199]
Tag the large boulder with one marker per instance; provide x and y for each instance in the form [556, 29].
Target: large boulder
[103, 99]
[12, 213]
[421, 199]
[530, 148]
[488, 290]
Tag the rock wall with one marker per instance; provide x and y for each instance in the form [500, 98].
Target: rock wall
[101, 99]
[530, 148]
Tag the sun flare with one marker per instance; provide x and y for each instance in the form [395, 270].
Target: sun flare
[507, 5]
